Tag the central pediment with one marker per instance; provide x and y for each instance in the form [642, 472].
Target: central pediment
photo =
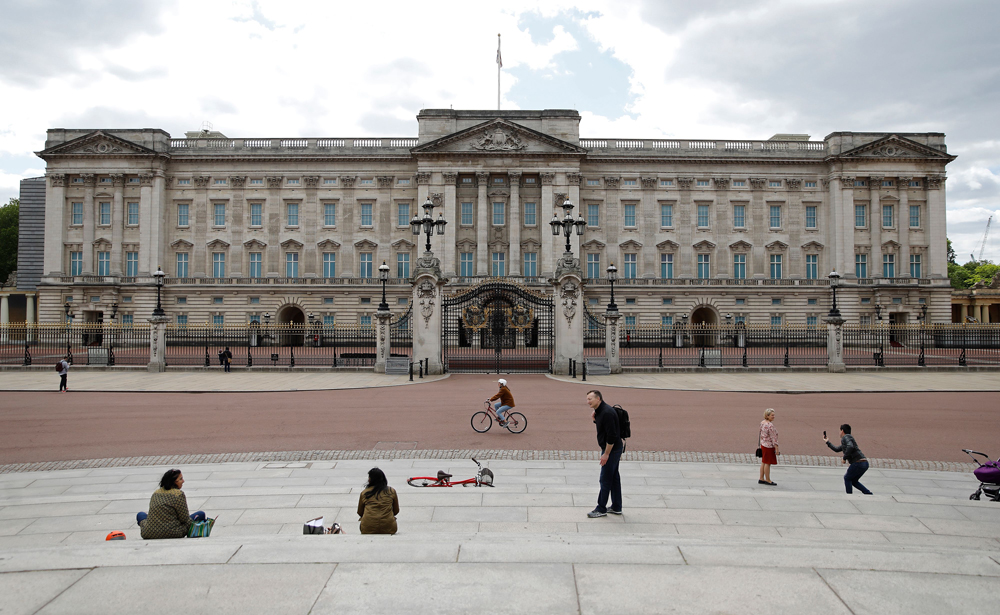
[501, 137]
[98, 143]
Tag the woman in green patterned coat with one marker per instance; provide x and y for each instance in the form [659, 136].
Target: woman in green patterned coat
[168, 510]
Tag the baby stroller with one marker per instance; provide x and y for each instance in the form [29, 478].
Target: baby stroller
[988, 474]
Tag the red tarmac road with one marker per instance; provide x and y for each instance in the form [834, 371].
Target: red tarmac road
[78, 425]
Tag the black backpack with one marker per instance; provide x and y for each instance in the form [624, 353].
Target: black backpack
[624, 427]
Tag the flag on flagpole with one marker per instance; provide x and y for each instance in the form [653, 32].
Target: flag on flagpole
[499, 60]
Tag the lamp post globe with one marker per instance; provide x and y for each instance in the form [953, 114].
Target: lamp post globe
[612, 277]
[158, 276]
[383, 276]
[834, 282]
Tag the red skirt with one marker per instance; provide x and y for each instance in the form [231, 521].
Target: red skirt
[769, 456]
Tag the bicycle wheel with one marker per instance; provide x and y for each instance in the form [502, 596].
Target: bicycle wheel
[516, 422]
[422, 481]
[481, 422]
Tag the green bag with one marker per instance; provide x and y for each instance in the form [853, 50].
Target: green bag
[201, 529]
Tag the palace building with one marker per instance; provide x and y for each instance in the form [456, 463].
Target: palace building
[297, 227]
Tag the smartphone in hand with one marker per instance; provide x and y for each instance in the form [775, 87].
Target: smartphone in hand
[824, 433]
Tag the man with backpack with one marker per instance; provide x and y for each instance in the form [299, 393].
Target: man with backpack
[611, 443]
[226, 358]
[62, 366]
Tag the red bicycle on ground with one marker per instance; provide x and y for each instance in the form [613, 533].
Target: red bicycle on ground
[484, 478]
[483, 420]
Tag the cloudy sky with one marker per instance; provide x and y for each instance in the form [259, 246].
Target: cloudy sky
[740, 69]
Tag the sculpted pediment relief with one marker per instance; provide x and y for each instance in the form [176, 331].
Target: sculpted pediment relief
[291, 244]
[181, 243]
[740, 246]
[890, 247]
[498, 136]
[254, 244]
[668, 246]
[631, 244]
[98, 143]
[217, 244]
[776, 246]
[593, 244]
[894, 147]
[366, 244]
[465, 244]
[530, 245]
[812, 246]
[402, 244]
[704, 245]
[328, 244]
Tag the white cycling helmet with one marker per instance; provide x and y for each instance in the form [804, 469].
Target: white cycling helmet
[502, 382]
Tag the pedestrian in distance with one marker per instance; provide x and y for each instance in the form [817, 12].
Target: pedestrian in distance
[378, 505]
[610, 441]
[227, 358]
[768, 448]
[504, 401]
[63, 368]
[852, 455]
[168, 510]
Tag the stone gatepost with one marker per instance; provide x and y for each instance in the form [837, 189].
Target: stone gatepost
[382, 340]
[611, 341]
[158, 343]
[428, 291]
[835, 344]
[568, 293]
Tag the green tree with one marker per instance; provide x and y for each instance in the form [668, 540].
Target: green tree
[951, 253]
[8, 238]
[984, 272]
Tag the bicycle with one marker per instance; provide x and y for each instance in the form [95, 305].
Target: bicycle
[484, 478]
[483, 420]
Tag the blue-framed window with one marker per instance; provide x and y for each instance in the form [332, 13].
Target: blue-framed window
[739, 266]
[403, 265]
[776, 266]
[812, 266]
[218, 264]
[499, 264]
[888, 265]
[104, 263]
[329, 214]
[593, 266]
[861, 266]
[667, 266]
[704, 266]
[131, 264]
[915, 270]
[76, 263]
[365, 265]
[182, 265]
[530, 264]
[329, 264]
[291, 264]
[256, 259]
[530, 214]
[629, 269]
[465, 264]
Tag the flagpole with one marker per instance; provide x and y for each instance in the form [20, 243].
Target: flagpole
[499, 66]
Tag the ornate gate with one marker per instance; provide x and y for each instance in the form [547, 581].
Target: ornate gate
[497, 326]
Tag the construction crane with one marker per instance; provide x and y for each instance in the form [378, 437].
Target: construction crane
[982, 247]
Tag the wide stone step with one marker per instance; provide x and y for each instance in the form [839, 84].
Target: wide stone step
[598, 367]
[396, 366]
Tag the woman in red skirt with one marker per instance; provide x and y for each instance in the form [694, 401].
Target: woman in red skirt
[768, 446]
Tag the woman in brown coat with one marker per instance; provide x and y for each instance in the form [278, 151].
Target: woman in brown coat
[378, 505]
[168, 510]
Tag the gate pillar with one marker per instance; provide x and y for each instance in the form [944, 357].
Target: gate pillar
[428, 289]
[157, 343]
[568, 331]
[611, 341]
[382, 340]
[835, 344]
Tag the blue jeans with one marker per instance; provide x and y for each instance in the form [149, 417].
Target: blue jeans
[500, 409]
[854, 472]
[611, 482]
[197, 516]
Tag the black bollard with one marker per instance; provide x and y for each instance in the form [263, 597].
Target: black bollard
[411, 371]
[421, 369]
[584, 371]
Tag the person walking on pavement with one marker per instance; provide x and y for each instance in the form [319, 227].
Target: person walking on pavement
[63, 366]
[768, 447]
[503, 401]
[852, 455]
[227, 358]
[609, 439]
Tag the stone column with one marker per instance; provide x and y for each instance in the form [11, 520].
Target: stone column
[835, 344]
[649, 224]
[547, 265]
[148, 257]
[573, 179]
[310, 265]
[875, 225]
[272, 267]
[514, 224]
[795, 224]
[904, 227]
[55, 225]
[448, 252]
[382, 340]
[965, 312]
[29, 312]
[759, 228]
[117, 223]
[158, 197]
[428, 291]
[846, 239]
[237, 184]
[4, 310]
[686, 221]
[611, 341]
[568, 295]
[937, 265]
[157, 343]
[482, 225]
[201, 262]
[88, 225]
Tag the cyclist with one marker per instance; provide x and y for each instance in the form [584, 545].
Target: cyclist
[503, 401]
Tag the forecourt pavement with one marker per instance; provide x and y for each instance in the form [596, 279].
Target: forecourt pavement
[694, 538]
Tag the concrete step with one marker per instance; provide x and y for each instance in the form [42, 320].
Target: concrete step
[598, 367]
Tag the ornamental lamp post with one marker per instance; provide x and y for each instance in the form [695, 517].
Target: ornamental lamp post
[427, 224]
[834, 282]
[567, 224]
[880, 358]
[383, 275]
[612, 276]
[158, 276]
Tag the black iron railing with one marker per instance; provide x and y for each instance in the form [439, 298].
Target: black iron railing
[401, 335]
[593, 333]
[892, 345]
[85, 344]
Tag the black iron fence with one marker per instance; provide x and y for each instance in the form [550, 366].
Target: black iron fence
[888, 345]
[593, 333]
[401, 335]
[697, 345]
[286, 345]
[84, 344]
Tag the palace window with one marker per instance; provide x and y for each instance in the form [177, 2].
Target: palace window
[330, 181]
[256, 214]
[105, 219]
[887, 216]
[131, 264]
[366, 214]
[530, 218]
[329, 320]
[402, 265]
[812, 266]
[739, 216]
[329, 264]
[183, 182]
[466, 214]
[182, 320]
[530, 264]
[182, 214]
[914, 216]
[256, 181]
[630, 182]
[292, 211]
[775, 301]
[593, 215]
[499, 264]
[739, 266]
[182, 265]
[668, 301]
[667, 266]
[220, 182]
[704, 266]
[739, 183]
[365, 265]
[629, 215]
[593, 266]
[498, 214]
[666, 182]
[810, 216]
[465, 264]
[218, 264]
[329, 214]
[810, 184]
[775, 216]
[291, 264]
[630, 266]
[255, 264]
[77, 209]
[860, 216]
[702, 183]
[774, 184]
[104, 263]
[915, 266]
[775, 266]
[703, 216]
[295, 182]
[593, 182]
[76, 263]
[888, 265]
[133, 214]
[666, 321]
[666, 215]
[220, 214]
[402, 214]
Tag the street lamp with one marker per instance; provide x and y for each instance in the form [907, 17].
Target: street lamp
[383, 275]
[158, 276]
[921, 360]
[612, 276]
[834, 282]
[428, 223]
[567, 224]
[880, 358]
[923, 314]
[69, 339]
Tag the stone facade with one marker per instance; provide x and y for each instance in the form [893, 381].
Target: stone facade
[703, 228]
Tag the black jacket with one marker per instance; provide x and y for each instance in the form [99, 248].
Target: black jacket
[607, 426]
[849, 447]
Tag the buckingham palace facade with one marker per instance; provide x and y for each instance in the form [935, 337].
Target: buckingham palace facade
[298, 227]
